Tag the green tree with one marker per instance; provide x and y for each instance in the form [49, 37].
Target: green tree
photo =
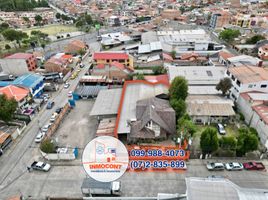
[58, 15]
[186, 126]
[13, 35]
[179, 88]
[159, 70]
[246, 142]
[7, 47]
[254, 39]
[179, 106]
[209, 141]
[3, 26]
[47, 146]
[140, 77]
[38, 19]
[229, 35]
[228, 143]
[173, 54]
[7, 108]
[224, 85]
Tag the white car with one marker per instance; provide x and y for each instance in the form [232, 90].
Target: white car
[46, 127]
[53, 117]
[234, 166]
[70, 94]
[221, 129]
[39, 137]
[66, 85]
[215, 166]
[40, 166]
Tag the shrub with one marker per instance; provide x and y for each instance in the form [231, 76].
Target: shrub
[47, 146]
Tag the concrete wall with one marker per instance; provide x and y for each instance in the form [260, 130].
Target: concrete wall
[260, 126]
[16, 67]
[58, 156]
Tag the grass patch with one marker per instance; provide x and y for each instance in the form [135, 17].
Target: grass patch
[52, 29]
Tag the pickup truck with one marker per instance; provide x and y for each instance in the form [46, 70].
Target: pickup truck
[253, 166]
[41, 166]
[92, 187]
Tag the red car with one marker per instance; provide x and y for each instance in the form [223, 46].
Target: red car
[253, 166]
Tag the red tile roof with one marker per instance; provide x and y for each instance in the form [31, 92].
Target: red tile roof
[159, 78]
[167, 57]
[118, 65]
[108, 55]
[19, 56]
[15, 92]
[225, 55]
[100, 66]
[66, 56]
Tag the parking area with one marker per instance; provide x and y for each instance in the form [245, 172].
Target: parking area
[77, 128]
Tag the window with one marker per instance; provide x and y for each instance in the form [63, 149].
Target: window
[263, 86]
[250, 86]
[233, 78]
[228, 73]
[238, 83]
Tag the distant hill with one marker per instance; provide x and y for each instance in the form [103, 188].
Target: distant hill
[21, 5]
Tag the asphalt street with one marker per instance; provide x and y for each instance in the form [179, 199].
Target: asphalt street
[24, 151]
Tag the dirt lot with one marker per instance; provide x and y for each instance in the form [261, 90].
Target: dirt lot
[78, 128]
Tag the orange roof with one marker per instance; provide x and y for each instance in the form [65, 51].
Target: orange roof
[3, 137]
[78, 43]
[15, 198]
[15, 92]
[66, 56]
[100, 66]
[159, 78]
[225, 55]
[118, 65]
[246, 74]
[187, 56]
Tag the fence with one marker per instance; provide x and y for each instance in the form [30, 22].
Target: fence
[59, 118]
[59, 156]
[18, 131]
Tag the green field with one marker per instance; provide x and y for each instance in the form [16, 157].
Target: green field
[52, 29]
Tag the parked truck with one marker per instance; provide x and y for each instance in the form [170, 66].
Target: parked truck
[91, 187]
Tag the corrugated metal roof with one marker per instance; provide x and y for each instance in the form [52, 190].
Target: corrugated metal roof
[107, 102]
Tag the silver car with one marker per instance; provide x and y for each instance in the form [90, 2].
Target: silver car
[215, 166]
[234, 166]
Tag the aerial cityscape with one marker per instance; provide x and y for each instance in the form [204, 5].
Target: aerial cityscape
[137, 100]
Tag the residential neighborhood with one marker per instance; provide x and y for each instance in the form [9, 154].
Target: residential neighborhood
[133, 100]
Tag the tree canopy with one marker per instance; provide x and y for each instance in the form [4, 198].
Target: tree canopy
[84, 20]
[224, 85]
[186, 126]
[246, 141]
[21, 5]
[7, 108]
[229, 35]
[179, 106]
[159, 70]
[179, 88]
[254, 39]
[13, 35]
[209, 141]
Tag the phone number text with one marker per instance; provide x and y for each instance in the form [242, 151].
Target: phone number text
[158, 164]
[157, 153]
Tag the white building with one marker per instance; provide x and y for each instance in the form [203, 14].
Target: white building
[201, 79]
[254, 107]
[242, 60]
[246, 79]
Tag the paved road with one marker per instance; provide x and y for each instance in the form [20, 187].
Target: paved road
[65, 181]
[14, 162]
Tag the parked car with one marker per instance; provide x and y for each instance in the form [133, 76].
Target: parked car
[221, 129]
[39, 137]
[253, 166]
[46, 127]
[66, 85]
[40, 166]
[70, 94]
[234, 166]
[58, 110]
[53, 117]
[50, 104]
[215, 166]
[81, 65]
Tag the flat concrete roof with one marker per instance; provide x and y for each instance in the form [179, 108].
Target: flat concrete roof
[107, 102]
[197, 75]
